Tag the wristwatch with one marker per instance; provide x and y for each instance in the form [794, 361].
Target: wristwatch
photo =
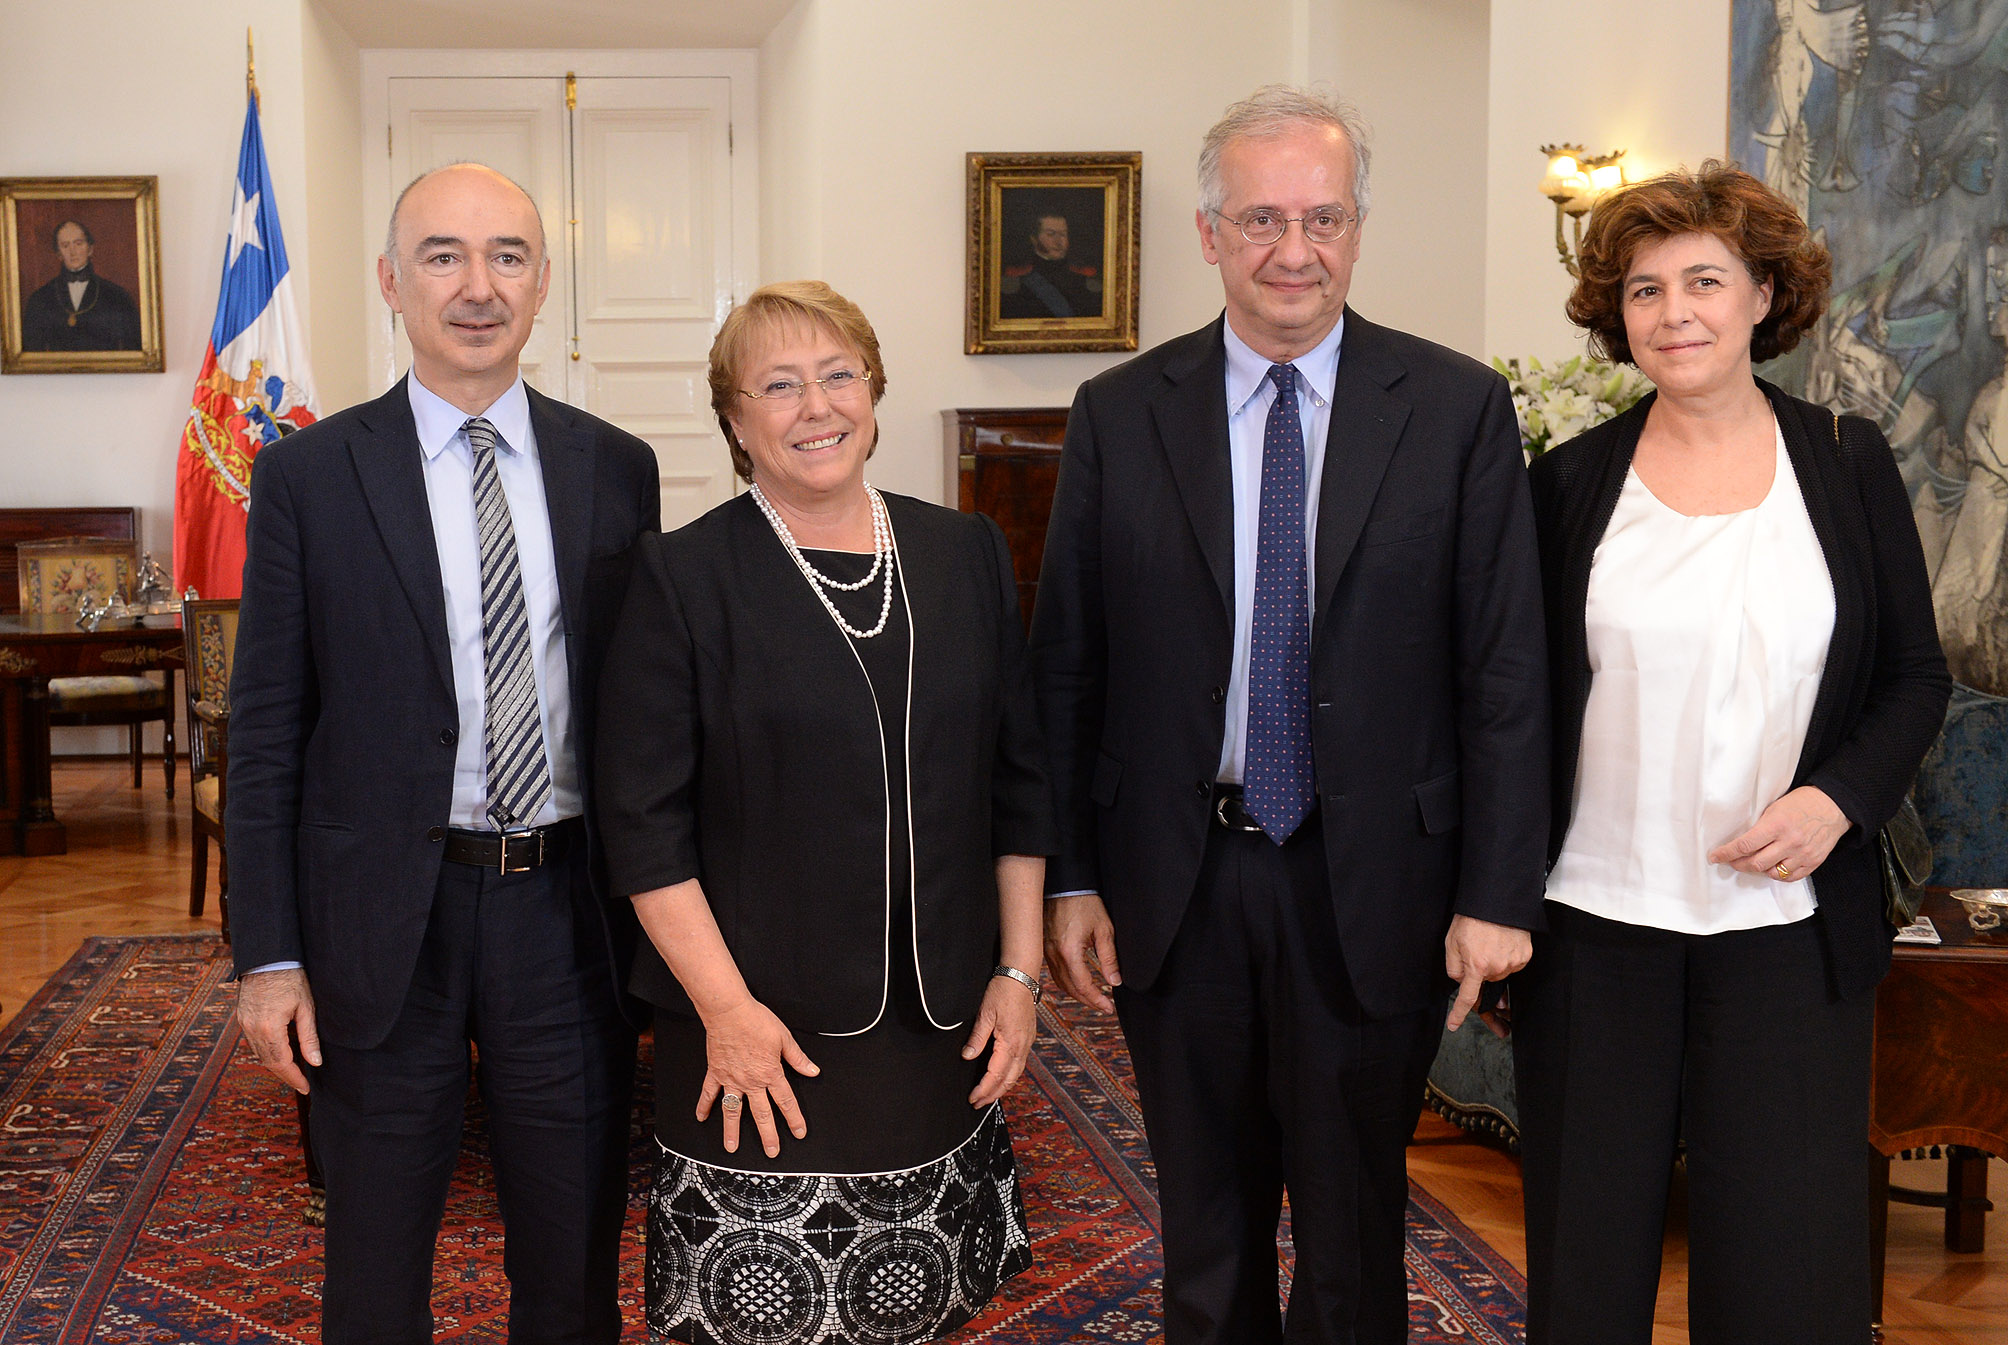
[1031, 983]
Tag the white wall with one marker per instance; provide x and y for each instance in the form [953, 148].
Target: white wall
[168, 101]
[1418, 70]
[867, 110]
[331, 94]
[1655, 83]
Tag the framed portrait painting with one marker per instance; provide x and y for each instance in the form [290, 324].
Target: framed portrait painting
[1052, 252]
[80, 275]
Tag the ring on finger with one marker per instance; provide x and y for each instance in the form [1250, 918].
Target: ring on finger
[1783, 870]
[730, 1103]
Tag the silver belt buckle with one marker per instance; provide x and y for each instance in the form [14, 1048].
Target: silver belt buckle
[502, 851]
[1220, 813]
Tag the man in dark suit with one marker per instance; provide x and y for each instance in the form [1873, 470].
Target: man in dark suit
[430, 581]
[1289, 645]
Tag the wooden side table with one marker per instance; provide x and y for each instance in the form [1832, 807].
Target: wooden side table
[34, 649]
[1941, 1074]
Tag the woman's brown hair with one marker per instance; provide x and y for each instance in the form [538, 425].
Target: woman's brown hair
[790, 303]
[1753, 221]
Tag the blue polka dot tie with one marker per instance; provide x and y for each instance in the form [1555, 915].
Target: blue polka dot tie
[1276, 774]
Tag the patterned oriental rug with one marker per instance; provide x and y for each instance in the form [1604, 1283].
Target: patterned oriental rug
[151, 1186]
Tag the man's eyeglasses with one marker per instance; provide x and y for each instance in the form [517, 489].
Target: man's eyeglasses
[1263, 227]
[838, 385]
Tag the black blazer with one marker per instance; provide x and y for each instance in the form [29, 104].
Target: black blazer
[741, 747]
[1882, 696]
[1430, 726]
[343, 717]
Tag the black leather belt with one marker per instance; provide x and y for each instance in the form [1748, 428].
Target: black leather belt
[514, 851]
[1231, 812]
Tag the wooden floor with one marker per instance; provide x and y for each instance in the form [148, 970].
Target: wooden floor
[127, 873]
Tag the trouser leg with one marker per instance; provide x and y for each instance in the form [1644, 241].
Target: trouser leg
[1598, 1042]
[386, 1126]
[1777, 1116]
[1200, 1050]
[1347, 1089]
[555, 1066]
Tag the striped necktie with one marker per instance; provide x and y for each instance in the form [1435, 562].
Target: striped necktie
[1277, 777]
[519, 776]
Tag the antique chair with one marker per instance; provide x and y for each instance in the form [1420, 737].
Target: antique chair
[53, 576]
[209, 638]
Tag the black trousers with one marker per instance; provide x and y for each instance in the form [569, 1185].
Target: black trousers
[1258, 1070]
[1626, 1039]
[517, 965]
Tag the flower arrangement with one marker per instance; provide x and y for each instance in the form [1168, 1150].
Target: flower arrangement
[1557, 403]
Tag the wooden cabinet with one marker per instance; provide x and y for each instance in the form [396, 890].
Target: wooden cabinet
[1006, 461]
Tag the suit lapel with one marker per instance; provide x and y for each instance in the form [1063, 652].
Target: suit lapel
[389, 463]
[565, 454]
[1191, 419]
[1366, 424]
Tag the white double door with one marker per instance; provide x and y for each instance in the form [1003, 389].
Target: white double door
[634, 179]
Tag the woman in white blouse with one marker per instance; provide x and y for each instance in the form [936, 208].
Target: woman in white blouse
[1746, 674]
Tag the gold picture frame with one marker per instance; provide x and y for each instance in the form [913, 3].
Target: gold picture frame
[1052, 252]
[108, 323]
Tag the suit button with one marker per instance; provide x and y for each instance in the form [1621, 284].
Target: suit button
[436, 834]
[1204, 789]
[1219, 695]
[447, 737]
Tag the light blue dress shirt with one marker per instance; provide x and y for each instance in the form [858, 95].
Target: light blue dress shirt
[1250, 394]
[449, 491]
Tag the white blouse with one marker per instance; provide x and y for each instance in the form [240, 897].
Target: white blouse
[1707, 638]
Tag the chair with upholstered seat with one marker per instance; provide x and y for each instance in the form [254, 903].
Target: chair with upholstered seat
[209, 638]
[57, 576]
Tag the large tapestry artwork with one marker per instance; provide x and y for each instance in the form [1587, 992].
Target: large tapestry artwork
[1883, 120]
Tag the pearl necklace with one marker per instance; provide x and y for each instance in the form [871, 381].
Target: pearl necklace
[882, 558]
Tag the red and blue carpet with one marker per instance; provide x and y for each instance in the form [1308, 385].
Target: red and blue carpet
[151, 1186]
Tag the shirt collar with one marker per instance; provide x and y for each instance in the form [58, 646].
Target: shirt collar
[439, 420]
[1248, 372]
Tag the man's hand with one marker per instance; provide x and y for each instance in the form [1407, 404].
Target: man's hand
[1076, 928]
[1477, 951]
[270, 1002]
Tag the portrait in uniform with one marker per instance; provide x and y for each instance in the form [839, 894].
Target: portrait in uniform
[1052, 254]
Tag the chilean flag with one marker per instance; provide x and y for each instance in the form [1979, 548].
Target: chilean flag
[254, 385]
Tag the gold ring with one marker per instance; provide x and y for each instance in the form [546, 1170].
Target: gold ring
[1782, 870]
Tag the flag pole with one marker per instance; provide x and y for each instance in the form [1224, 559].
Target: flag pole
[251, 67]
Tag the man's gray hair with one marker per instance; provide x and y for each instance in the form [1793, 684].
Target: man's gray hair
[390, 232]
[1277, 109]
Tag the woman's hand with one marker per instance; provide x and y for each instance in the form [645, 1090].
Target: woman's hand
[1792, 838]
[1008, 1019]
[748, 1053]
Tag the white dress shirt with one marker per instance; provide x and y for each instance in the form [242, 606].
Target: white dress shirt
[1707, 639]
[449, 491]
[1250, 394]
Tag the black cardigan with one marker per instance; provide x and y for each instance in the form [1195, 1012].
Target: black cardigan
[1882, 696]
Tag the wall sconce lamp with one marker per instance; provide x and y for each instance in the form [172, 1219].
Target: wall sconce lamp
[1576, 179]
